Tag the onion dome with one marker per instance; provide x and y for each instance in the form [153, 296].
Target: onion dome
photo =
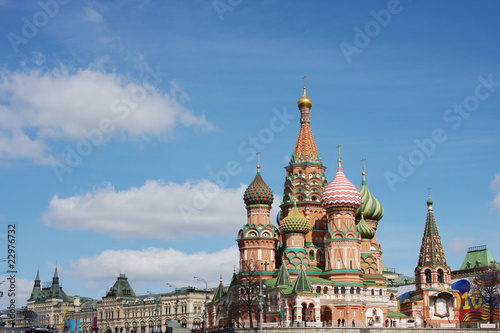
[304, 101]
[364, 229]
[295, 222]
[371, 208]
[258, 192]
[340, 192]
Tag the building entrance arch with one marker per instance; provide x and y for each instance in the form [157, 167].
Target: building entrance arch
[326, 315]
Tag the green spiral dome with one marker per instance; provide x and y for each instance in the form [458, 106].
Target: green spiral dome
[364, 229]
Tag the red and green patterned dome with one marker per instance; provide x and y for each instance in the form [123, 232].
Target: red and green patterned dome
[340, 192]
[258, 192]
[295, 222]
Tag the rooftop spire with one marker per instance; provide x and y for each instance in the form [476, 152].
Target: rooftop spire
[431, 250]
[305, 148]
[283, 279]
[302, 283]
[339, 160]
[258, 162]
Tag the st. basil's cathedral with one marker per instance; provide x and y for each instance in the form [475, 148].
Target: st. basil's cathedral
[322, 264]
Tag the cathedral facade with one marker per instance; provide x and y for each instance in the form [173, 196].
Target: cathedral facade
[322, 264]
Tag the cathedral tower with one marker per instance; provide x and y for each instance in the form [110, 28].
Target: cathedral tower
[371, 211]
[432, 270]
[294, 228]
[341, 199]
[258, 238]
[433, 301]
[304, 183]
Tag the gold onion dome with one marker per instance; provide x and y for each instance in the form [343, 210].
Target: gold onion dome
[364, 229]
[371, 208]
[258, 192]
[295, 222]
[304, 101]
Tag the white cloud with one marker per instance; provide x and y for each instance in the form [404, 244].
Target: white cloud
[154, 210]
[39, 107]
[19, 145]
[150, 266]
[495, 185]
[93, 16]
[22, 292]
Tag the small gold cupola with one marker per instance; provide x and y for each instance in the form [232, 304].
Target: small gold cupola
[304, 101]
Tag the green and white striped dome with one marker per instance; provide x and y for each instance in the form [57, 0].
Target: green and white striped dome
[370, 207]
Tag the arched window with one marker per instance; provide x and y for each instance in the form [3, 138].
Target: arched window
[427, 276]
[440, 276]
[318, 289]
[352, 290]
[358, 290]
[325, 290]
[336, 290]
[342, 290]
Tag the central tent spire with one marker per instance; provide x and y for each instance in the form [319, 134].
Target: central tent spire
[305, 148]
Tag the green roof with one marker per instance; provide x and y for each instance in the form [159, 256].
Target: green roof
[394, 314]
[121, 288]
[302, 284]
[219, 293]
[283, 279]
[476, 257]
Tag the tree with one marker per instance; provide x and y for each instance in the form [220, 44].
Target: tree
[245, 303]
[488, 286]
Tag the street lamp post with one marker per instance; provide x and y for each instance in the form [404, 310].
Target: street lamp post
[155, 312]
[176, 298]
[205, 303]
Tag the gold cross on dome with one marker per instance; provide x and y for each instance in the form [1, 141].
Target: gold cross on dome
[338, 150]
[363, 164]
[258, 161]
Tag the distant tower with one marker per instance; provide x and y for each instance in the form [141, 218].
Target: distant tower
[433, 301]
[37, 290]
[432, 270]
[258, 238]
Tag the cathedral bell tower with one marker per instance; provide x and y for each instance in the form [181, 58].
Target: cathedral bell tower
[304, 183]
[433, 301]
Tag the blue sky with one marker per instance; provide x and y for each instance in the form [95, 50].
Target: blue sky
[128, 129]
